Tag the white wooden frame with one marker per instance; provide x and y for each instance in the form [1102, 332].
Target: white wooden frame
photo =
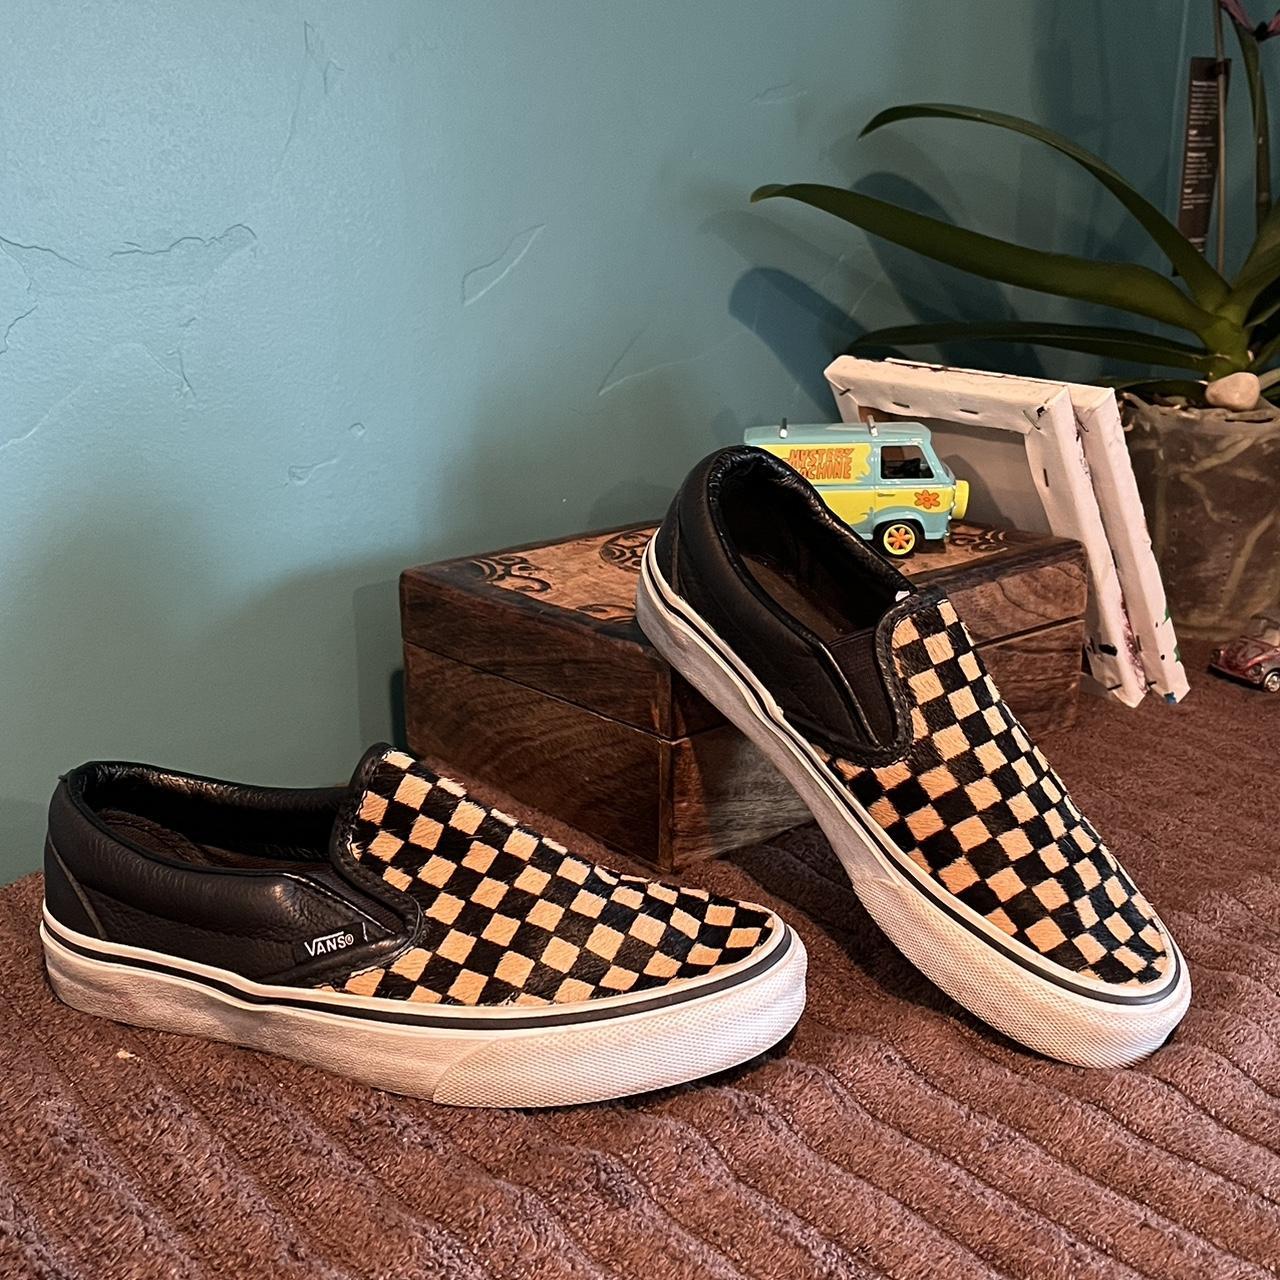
[1080, 467]
[1107, 456]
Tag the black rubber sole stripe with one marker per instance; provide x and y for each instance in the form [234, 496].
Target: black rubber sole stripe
[443, 1020]
[878, 839]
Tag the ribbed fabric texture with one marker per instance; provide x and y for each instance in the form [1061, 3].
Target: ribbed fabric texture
[894, 1135]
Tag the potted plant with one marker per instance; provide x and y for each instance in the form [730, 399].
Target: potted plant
[1204, 438]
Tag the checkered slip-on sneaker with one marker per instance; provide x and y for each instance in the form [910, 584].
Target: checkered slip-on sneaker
[867, 693]
[398, 932]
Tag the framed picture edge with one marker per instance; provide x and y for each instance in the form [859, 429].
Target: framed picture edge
[1055, 419]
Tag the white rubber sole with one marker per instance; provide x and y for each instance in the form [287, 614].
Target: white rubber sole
[1006, 984]
[513, 1056]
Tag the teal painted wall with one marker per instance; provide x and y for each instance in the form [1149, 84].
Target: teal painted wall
[293, 295]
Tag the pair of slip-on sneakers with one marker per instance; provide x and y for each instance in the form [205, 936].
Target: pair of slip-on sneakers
[400, 932]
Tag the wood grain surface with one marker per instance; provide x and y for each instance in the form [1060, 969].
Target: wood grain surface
[525, 668]
[560, 617]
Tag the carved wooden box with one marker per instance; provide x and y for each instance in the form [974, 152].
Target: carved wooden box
[525, 669]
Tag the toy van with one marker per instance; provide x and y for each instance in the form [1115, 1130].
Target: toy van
[885, 481]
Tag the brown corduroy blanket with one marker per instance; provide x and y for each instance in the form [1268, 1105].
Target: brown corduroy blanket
[892, 1136]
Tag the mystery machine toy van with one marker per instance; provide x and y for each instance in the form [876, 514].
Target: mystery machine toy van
[884, 480]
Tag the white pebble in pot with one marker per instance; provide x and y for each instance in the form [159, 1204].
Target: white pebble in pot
[1238, 391]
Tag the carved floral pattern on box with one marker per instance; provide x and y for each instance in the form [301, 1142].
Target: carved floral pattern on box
[596, 574]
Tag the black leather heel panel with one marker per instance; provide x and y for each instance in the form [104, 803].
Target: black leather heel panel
[666, 544]
[64, 898]
[263, 951]
[744, 488]
[246, 921]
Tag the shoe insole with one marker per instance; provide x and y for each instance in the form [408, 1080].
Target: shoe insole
[821, 614]
[852, 646]
[169, 843]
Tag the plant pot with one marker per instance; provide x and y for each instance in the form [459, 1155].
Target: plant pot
[1210, 483]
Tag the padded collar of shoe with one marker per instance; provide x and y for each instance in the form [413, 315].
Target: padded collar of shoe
[246, 918]
[698, 554]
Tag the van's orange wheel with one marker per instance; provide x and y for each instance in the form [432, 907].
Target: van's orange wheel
[898, 539]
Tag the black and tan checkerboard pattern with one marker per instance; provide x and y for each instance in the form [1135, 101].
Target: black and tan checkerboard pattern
[977, 806]
[510, 917]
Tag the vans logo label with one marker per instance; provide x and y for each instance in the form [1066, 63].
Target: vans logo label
[327, 944]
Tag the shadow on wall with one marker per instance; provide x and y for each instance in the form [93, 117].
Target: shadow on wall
[799, 322]
[819, 300]
[500, 492]
[379, 674]
[932, 293]
[133, 631]
[22, 830]
[806, 326]
[143, 636]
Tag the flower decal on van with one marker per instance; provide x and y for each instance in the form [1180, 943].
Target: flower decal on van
[928, 500]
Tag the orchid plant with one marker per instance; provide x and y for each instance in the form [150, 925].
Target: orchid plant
[1228, 324]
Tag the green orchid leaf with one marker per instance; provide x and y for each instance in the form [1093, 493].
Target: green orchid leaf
[1265, 354]
[1265, 307]
[1259, 273]
[1261, 268]
[1263, 325]
[1118, 344]
[1148, 387]
[1249, 55]
[1122, 285]
[1207, 287]
[1267, 240]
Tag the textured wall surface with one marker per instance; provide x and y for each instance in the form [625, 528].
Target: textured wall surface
[293, 295]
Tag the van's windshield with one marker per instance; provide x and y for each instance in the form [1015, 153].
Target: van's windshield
[904, 462]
